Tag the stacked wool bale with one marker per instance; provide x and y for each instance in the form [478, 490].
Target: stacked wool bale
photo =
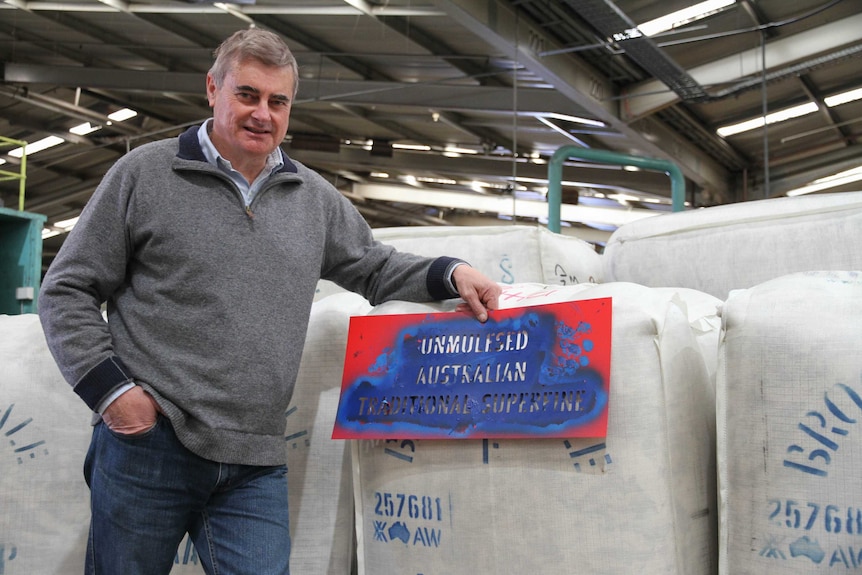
[44, 500]
[320, 490]
[718, 249]
[640, 499]
[789, 397]
[506, 254]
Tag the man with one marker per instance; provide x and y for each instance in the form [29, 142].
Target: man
[207, 249]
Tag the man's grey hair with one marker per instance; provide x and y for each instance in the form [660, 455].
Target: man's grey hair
[262, 45]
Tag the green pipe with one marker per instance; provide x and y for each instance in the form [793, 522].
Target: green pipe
[555, 176]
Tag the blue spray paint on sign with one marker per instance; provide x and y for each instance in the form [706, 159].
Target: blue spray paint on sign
[526, 375]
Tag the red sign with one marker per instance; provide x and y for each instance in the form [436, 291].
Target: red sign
[538, 371]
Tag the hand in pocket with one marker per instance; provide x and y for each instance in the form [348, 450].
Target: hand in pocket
[132, 413]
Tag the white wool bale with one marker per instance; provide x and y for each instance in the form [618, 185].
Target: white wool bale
[506, 254]
[736, 246]
[186, 561]
[789, 416]
[702, 311]
[319, 482]
[44, 501]
[642, 498]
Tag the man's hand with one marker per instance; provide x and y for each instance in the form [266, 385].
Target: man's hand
[479, 292]
[132, 413]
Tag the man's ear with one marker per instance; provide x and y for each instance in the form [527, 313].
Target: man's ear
[211, 90]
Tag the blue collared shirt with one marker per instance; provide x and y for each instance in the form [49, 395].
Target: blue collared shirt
[248, 190]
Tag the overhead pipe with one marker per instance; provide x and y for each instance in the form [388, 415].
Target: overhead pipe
[555, 176]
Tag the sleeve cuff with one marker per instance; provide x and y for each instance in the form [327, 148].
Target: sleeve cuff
[439, 279]
[101, 381]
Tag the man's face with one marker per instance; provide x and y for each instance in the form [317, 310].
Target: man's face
[250, 110]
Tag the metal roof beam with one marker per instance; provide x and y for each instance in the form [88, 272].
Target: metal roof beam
[798, 174]
[284, 9]
[437, 95]
[499, 25]
[647, 97]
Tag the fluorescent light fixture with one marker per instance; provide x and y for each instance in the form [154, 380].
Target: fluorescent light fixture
[527, 180]
[66, 224]
[235, 12]
[833, 181]
[480, 186]
[379, 175]
[536, 158]
[575, 119]
[623, 199]
[427, 180]
[561, 131]
[122, 115]
[84, 129]
[684, 16]
[414, 147]
[120, 5]
[61, 227]
[779, 116]
[458, 150]
[843, 98]
[37, 146]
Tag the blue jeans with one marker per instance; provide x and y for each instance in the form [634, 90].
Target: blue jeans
[148, 490]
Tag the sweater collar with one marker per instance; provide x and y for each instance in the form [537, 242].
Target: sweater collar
[190, 149]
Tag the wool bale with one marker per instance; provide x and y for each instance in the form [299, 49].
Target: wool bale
[736, 246]
[640, 499]
[46, 431]
[789, 419]
[44, 499]
[320, 490]
[506, 254]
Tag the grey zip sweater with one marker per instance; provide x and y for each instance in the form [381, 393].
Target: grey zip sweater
[208, 302]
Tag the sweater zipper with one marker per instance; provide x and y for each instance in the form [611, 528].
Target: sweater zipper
[248, 210]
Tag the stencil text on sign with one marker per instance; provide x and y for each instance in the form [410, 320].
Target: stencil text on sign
[536, 371]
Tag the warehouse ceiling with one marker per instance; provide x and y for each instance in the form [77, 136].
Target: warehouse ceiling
[448, 112]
